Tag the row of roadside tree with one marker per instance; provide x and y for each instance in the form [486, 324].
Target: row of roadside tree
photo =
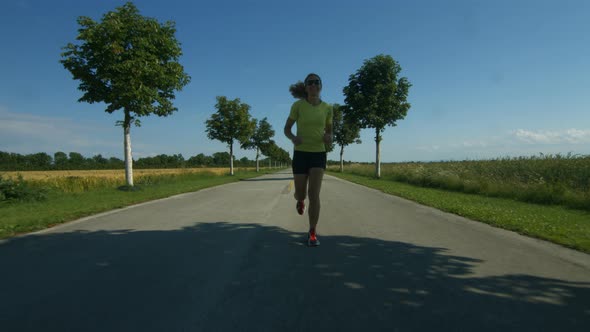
[131, 63]
[75, 161]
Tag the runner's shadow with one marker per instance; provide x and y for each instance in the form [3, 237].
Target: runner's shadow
[227, 276]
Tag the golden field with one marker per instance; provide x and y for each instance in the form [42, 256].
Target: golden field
[85, 180]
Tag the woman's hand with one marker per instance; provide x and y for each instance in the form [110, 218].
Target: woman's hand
[297, 140]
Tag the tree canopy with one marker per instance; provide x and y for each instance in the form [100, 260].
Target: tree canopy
[231, 123]
[376, 97]
[130, 63]
[345, 130]
[127, 61]
[262, 134]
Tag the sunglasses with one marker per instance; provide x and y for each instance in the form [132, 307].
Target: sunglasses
[312, 82]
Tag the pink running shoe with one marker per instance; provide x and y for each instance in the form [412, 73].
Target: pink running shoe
[312, 239]
[300, 207]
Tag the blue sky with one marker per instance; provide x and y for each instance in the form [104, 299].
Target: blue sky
[490, 78]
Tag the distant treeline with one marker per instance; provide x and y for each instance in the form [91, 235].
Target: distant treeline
[76, 161]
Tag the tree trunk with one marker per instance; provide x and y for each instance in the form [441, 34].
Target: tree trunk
[127, 143]
[257, 155]
[341, 160]
[231, 158]
[378, 153]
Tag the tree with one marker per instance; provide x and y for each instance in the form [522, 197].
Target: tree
[128, 62]
[377, 98]
[115, 163]
[345, 131]
[76, 160]
[231, 123]
[60, 160]
[40, 160]
[263, 133]
[99, 162]
[161, 161]
[283, 156]
[274, 152]
[198, 160]
[6, 161]
[244, 162]
[221, 158]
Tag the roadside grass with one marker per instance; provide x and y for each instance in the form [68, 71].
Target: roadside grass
[562, 180]
[67, 205]
[562, 225]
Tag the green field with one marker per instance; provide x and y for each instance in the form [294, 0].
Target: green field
[546, 179]
[544, 197]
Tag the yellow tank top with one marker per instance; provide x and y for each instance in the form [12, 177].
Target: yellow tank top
[311, 122]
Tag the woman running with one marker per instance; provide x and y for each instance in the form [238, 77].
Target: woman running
[314, 132]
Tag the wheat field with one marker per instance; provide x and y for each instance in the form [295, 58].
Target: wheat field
[84, 180]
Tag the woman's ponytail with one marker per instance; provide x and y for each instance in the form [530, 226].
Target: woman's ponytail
[298, 90]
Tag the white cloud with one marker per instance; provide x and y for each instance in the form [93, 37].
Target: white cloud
[29, 133]
[428, 148]
[475, 144]
[511, 143]
[27, 124]
[569, 136]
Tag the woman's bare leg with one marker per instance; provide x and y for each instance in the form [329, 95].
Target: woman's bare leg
[316, 176]
[300, 181]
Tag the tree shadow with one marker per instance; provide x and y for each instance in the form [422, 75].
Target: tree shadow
[230, 276]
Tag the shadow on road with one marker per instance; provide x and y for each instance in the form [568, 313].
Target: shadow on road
[223, 276]
[267, 179]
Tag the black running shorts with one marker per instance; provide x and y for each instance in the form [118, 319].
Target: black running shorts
[303, 161]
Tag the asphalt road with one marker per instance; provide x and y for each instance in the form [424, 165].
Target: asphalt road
[232, 258]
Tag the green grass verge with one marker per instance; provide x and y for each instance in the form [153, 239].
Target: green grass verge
[561, 225]
[24, 217]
